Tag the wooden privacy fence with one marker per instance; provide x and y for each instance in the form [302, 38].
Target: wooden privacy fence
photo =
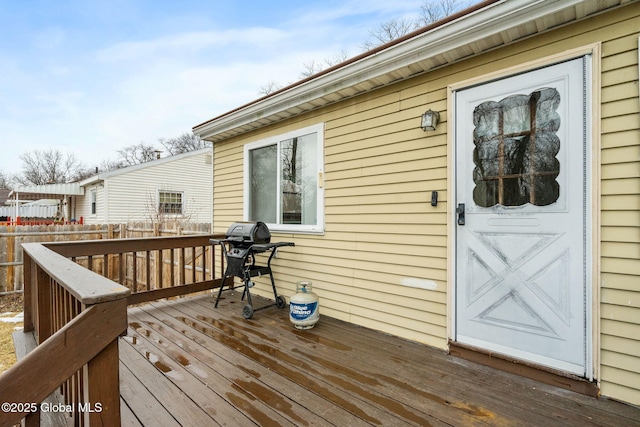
[11, 238]
[75, 315]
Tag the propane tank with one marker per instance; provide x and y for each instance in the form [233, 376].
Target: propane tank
[303, 307]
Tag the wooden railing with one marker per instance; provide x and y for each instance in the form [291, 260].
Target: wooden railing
[76, 312]
[152, 268]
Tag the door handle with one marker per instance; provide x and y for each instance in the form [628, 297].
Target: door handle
[460, 212]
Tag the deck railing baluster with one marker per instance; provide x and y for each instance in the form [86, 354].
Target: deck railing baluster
[134, 263]
[159, 268]
[121, 268]
[148, 270]
[105, 266]
[182, 267]
[194, 257]
[172, 272]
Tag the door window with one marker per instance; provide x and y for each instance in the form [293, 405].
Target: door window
[515, 150]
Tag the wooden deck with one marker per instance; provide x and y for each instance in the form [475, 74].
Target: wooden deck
[185, 363]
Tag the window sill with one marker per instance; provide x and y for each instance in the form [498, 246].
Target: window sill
[273, 228]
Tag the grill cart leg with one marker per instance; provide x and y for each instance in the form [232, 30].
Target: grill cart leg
[224, 279]
[247, 311]
[280, 301]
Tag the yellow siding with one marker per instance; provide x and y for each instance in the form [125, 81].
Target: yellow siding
[620, 187]
[381, 233]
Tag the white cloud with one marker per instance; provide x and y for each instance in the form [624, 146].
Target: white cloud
[181, 44]
[92, 92]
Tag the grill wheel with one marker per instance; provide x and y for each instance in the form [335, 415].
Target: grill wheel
[247, 311]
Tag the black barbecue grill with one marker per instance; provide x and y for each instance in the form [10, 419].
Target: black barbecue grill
[243, 241]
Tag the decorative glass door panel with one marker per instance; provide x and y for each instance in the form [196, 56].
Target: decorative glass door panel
[515, 150]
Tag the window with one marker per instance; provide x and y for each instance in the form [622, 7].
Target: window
[170, 202]
[93, 202]
[515, 150]
[283, 181]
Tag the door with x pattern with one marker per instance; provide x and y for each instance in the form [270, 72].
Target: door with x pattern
[521, 233]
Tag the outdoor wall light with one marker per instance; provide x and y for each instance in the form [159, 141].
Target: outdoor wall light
[430, 120]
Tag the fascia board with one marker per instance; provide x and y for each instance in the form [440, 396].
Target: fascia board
[475, 26]
[156, 162]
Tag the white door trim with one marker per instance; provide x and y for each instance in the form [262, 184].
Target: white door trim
[592, 189]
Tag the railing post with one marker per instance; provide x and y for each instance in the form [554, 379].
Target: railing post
[102, 383]
[43, 309]
[27, 295]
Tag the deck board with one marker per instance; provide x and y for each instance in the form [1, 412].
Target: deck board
[198, 348]
[185, 363]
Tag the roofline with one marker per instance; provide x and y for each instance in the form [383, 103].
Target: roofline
[459, 30]
[66, 189]
[115, 172]
[356, 58]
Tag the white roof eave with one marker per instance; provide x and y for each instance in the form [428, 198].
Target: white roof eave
[71, 189]
[484, 23]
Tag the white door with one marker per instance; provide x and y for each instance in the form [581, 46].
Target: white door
[521, 241]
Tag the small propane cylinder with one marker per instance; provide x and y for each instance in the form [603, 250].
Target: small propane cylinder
[303, 307]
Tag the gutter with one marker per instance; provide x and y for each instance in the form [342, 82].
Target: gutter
[357, 58]
[475, 23]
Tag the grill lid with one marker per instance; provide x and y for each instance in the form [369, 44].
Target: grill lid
[249, 232]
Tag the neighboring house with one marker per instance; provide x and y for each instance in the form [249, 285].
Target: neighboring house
[47, 202]
[537, 149]
[170, 188]
[41, 209]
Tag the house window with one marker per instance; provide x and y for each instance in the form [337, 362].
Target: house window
[283, 181]
[93, 202]
[170, 202]
[515, 150]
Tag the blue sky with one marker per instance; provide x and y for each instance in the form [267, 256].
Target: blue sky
[91, 77]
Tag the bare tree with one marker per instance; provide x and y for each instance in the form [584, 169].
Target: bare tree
[5, 180]
[49, 167]
[432, 11]
[310, 68]
[156, 213]
[313, 67]
[83, 173]
[109, 165]
[388, 31]
[137, 153]
[269, 88]
[183, 144]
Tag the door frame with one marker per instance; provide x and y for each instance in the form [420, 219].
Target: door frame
[592, 192]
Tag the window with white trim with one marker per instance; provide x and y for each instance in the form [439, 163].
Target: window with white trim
[94, 203]
[170, 202]
[283, 181]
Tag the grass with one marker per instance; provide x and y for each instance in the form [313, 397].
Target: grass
[7, 352]
[8, 304]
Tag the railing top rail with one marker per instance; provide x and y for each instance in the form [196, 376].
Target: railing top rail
[85, 285]
[116, 246]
